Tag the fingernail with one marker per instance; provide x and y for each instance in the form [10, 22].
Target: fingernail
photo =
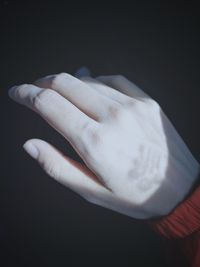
[31, 149]
[11, 91]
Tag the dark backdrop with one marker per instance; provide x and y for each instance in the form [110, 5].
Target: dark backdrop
[155, 45]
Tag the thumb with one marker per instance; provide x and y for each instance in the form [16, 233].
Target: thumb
[65, 170]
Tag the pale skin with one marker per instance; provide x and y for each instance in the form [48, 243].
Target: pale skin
[135, 161]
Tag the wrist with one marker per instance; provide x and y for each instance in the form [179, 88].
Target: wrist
[188, 176]
[183, 220]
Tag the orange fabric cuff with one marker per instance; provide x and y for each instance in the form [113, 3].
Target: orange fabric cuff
[182, 221]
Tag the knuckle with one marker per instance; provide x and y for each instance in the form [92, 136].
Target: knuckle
[44, 96]
[58, 79]
[52, 169]
[86, 126]
[114, 110]
[91, 134]
[138, 107]
[89, 143]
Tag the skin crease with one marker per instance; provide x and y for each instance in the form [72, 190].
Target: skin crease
[135, 161]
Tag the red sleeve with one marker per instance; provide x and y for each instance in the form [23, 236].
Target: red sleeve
[182, 228]
[181, 222]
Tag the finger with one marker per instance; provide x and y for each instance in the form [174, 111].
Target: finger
[106, 90]
[56, 110]
[77, 177]
[123, 85]
[65, 170]
[79, 93]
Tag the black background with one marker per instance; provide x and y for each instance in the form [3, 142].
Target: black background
[154, 44]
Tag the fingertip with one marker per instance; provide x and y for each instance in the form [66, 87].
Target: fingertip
[30, 147]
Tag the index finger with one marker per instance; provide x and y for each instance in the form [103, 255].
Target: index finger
[60, 113]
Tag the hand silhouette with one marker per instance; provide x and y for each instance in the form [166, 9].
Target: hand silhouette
[135, 161]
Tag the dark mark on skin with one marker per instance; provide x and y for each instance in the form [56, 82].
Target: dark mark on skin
[95, 138]
[114, 111]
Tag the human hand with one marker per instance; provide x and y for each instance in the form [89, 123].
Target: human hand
[135, 161]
